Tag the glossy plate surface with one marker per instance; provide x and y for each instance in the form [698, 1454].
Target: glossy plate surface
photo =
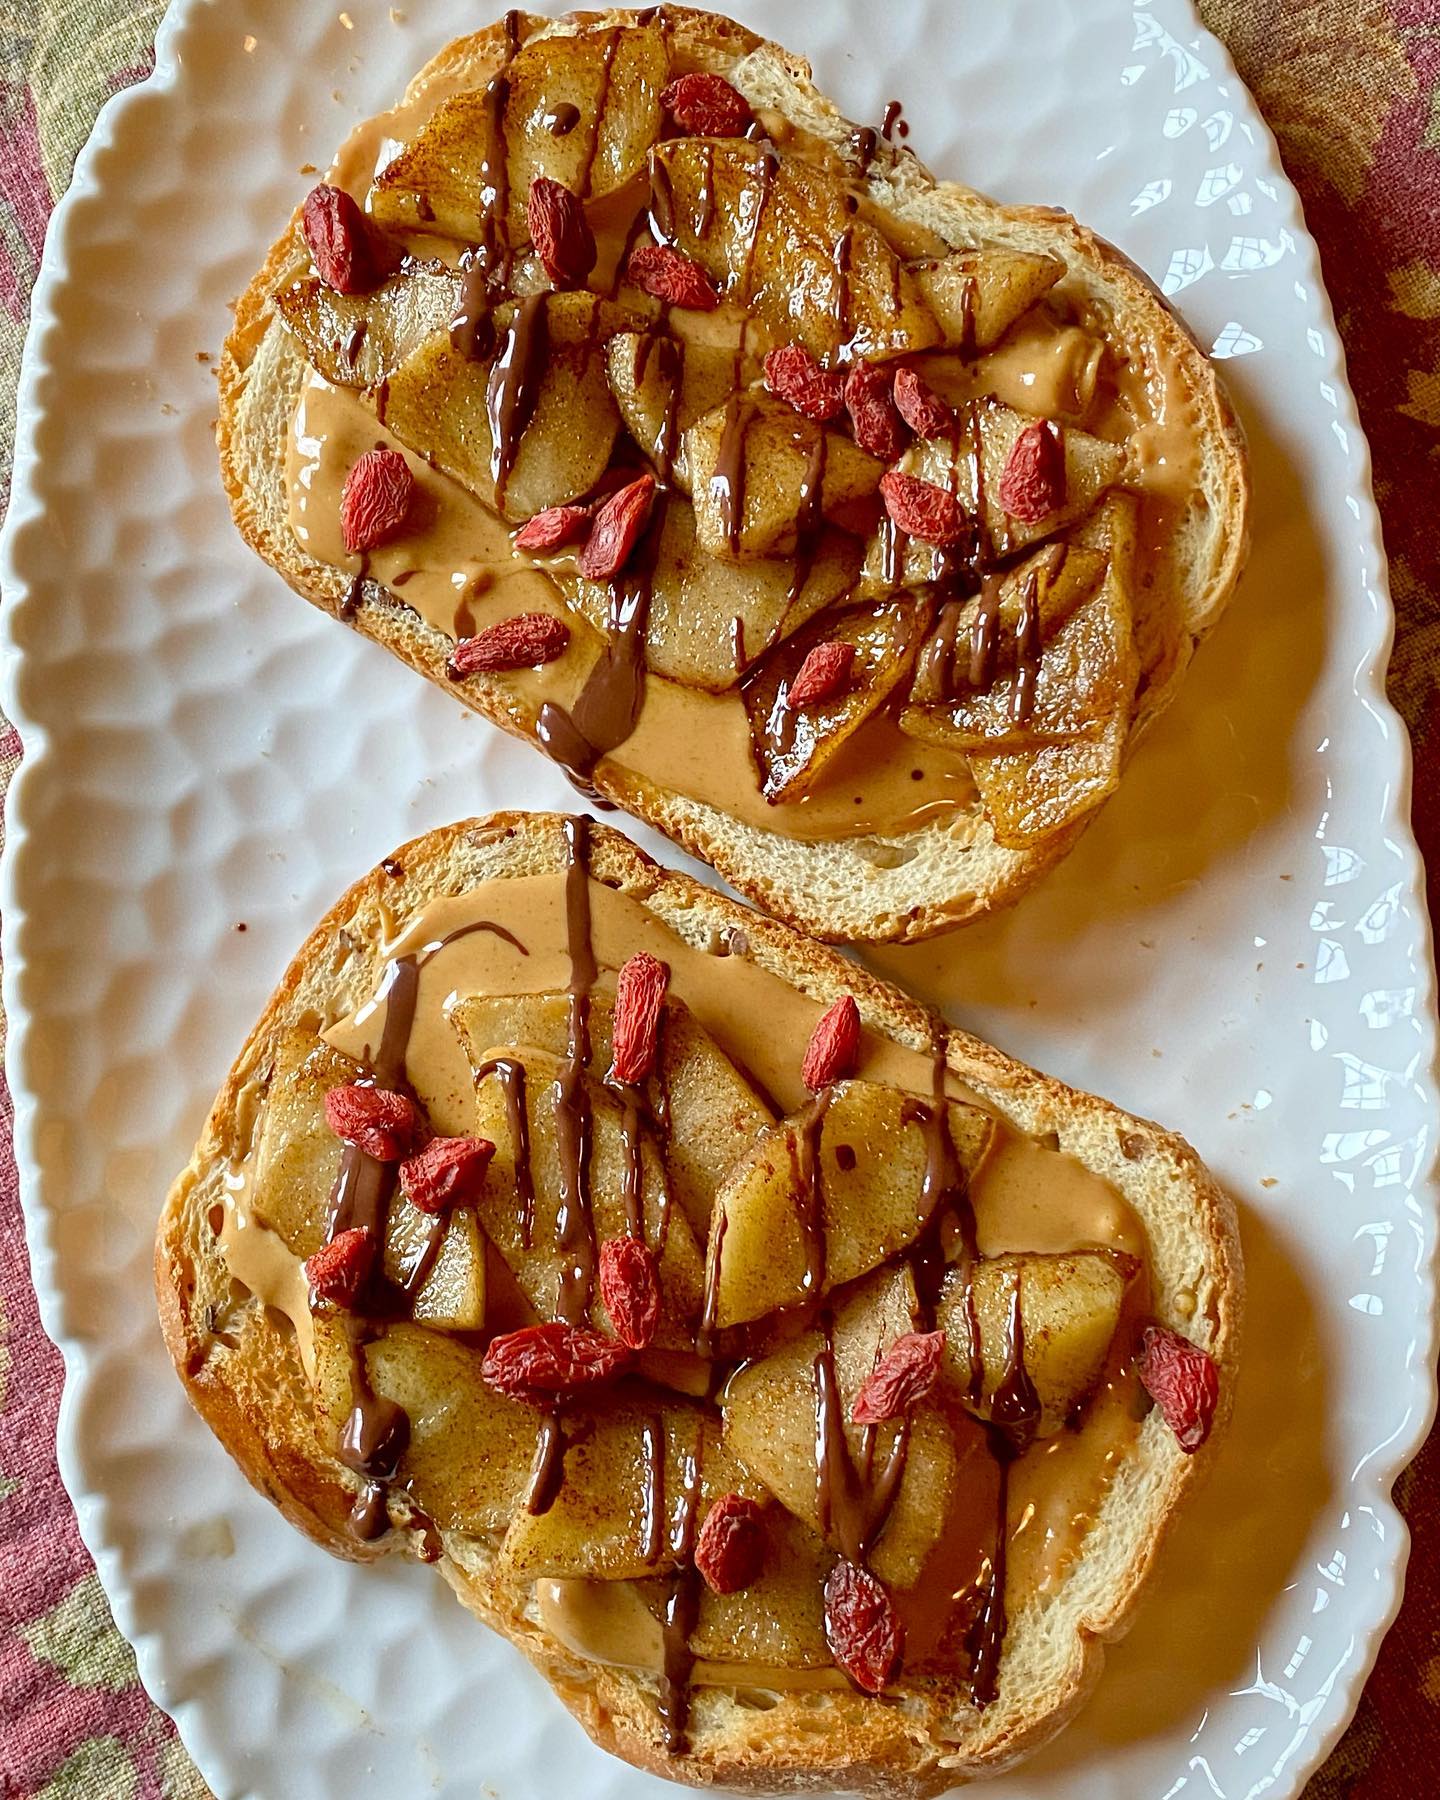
[1238, 947]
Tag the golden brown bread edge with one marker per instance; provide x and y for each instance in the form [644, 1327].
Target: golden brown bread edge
[250, 1388]
[892, 888]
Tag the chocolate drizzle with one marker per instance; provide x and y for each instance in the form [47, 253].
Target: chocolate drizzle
[563, 120]
[853, 1502]
[515, 386]
[681, 1609]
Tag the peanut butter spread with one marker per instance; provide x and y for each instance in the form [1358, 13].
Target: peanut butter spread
[557, 315]
[500, 1012]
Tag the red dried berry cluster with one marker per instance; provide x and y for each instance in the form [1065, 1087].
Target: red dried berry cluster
[338, 1270]
[665, 274]
[706, 105]
[862, 1627]
[384, 1125]
[618, 525]
[824, 673]
[348, 253]
[730, 1547]
[874, 417]
[630, 1288]
[639, 996]
[901, 1379]
[793, 375]
[449, 1171]
[560, 231]
[523, 641]
[1182, 1380]
[834, 1046]
[546, 1364]
[1032, 483]
[375, 500]
[921, 509]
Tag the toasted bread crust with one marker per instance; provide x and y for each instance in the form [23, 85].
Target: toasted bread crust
[902, 886]
[247, 1382]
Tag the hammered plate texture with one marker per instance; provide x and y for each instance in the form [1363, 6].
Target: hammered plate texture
[1238, 947]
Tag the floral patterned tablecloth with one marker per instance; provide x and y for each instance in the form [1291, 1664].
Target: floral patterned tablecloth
[1352, 90]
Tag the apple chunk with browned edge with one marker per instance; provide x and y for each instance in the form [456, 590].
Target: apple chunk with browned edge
[713, 1114]
[1069, 1309]
[294, 1166]
[771, 1415]
[357, 340]
[871, 1152]
[446, 180]
[536, 1258]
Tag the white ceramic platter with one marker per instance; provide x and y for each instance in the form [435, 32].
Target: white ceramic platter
[1238, 947]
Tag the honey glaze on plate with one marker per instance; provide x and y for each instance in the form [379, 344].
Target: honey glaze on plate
[599, 710]
[1018, 1509]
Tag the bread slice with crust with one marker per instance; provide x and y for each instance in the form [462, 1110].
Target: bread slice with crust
[241, 1366]
[894, 885]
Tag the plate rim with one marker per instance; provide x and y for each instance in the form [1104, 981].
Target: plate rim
[26, 511]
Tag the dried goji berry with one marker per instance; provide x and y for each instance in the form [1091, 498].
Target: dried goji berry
[555, 526]
[920, 406]
[834, 1045]
[448, 1172]
[382, 1124]
[824, 673]
[862, 1627]
[902, 1378]
[560, 231]
[338, 1270]
[921, 509]
[639, 995]
[657, 269]
[619, 522]
[792, 374]
[545, 1364]
[348, 254]
[630, 1288]
[523, 641]
[375, 500]
[1032, 483]
[877, 424]
[730, 1547]
[706, 105]
[1182, 1380]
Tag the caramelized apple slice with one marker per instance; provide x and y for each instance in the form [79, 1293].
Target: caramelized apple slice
[446, 180]
[296, 1159]
[712, 1114]
[564, 421]
[758, 469]
[772, 1408]
[356, 340]
[470, 1452]
[536, 1258]
[1061, 583]
[984, 437]
[977, 295]
[664, 380]
[1029, 795]
[619, 1509]
[854, 1162]
[708, 620]
[793, 744]
[777, 1622]
[1069, 1308]
[613, 79]
[778, 236]
[466, 160]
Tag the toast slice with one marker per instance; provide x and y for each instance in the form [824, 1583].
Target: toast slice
[1093, 1230]
[992, 305]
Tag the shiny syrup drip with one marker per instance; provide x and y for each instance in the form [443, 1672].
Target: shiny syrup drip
[682, 1606]
[852, 1502]
[563, 120]
[514, 386]
[574, 1223]
[1027, 651]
